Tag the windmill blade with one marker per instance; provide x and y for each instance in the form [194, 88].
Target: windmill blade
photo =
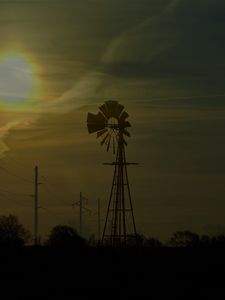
[111, 105]
[96, 119]
[126, 133]
[118, 110]
[104, 139]
[112, 108]
[123, 116]
[104, 110]
[108, 145]
[108, 138]
[114, 146]
[126, 124]
[123, 125]
[101, 132]
[95, 122]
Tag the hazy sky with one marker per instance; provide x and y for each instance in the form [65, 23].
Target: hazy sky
[164, 61]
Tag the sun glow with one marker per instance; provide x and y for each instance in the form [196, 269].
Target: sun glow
[19, 85]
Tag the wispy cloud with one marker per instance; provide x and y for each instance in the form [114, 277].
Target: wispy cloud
[5, 131]
[78, 95]
[153, 50]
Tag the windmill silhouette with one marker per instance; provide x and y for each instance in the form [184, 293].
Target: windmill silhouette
[111, 124]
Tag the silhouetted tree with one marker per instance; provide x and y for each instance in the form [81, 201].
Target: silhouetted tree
[65, 236]
[218, 241]
[184, 239]
[12, 233]
[141, 240]
[153, 242]
[135, 241]
[204, 241]
[92, 240]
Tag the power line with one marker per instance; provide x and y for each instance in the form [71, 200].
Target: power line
[3, 196]
[50, 211]
[14, 193]
[15, 161]
[15, 175]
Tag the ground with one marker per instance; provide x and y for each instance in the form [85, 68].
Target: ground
[45, 273]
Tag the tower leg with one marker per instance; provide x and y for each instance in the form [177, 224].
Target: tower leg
[116, 230]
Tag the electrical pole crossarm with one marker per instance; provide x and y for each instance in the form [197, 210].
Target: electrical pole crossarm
[83, 207]
[117, 163]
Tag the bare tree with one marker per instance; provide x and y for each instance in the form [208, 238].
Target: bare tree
[12, 233]
[184, 239]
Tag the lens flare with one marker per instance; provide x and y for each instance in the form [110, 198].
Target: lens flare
[19, 85]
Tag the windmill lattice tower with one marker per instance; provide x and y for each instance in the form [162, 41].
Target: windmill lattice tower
[111, 125]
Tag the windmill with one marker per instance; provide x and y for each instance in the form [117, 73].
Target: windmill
[111, 124]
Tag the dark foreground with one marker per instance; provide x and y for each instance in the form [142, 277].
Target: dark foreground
[91, 273]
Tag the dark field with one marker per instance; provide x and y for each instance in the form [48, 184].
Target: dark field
[48, 273]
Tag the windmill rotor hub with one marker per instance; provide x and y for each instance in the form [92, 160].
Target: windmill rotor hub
[113, 123]
[108, 123]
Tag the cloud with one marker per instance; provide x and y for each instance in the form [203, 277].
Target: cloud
[82, 93]
[78, 95]
[184, 41]
[5, 131]
[160, 48]
[181, 49]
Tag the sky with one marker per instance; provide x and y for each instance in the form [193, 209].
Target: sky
[164, 60]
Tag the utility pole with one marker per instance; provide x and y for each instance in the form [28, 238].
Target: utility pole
[99, 220]
[81, 211]
[82, 208]
[36, 206]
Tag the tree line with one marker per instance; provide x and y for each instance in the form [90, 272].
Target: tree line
[13, 234]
